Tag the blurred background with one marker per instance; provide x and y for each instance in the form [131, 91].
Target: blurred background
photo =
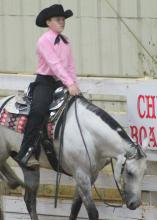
[102, 45]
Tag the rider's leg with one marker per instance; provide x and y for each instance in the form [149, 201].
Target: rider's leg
[42, 97]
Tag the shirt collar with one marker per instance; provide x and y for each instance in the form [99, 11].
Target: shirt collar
[53, 33]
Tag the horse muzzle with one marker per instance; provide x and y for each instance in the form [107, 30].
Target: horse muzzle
[133, 204]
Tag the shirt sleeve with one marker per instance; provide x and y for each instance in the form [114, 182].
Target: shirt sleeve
[71, 66]
[45, 48]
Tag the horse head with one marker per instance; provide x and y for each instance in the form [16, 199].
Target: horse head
[129, 172]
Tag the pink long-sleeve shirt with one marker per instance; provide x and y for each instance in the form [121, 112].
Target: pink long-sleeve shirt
[55, 59]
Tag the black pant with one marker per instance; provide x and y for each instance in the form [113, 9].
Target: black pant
[41, 99]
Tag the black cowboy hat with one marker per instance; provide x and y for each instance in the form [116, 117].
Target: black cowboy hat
[52, 11]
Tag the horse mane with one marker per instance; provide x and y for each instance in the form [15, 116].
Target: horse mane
[108, 119]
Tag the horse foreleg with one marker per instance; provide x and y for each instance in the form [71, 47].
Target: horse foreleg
[76, 205]
[85, 190]
[31, 178]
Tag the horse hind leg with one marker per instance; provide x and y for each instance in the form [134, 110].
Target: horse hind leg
[9, 175]
[76, 205]
[31, 186]
[84, 186]
[32, 183]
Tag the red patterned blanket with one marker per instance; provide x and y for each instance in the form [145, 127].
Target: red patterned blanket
[18, 122]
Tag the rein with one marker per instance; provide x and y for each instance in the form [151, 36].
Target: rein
[122, 170]
[58, 176]
[98, 194]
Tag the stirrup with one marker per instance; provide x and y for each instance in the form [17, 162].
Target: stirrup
[24, 161]
[26, 157]
[33, 163]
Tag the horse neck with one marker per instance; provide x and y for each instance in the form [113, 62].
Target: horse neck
[108, 142]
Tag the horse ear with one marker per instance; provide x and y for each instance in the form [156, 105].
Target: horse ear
[118, 167]
[145, 144]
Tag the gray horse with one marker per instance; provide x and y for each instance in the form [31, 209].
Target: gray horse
[91, 136]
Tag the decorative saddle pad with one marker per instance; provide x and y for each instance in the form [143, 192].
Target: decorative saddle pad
[17, 122]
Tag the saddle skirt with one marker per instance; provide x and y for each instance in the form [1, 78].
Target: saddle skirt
[14, 113]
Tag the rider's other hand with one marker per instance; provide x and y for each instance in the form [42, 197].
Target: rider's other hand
[73, 90]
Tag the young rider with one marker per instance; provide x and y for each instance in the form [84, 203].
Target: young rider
[55, 67]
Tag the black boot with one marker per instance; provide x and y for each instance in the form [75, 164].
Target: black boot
[27, 159]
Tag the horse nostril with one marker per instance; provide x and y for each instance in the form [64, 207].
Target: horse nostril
[133, 205]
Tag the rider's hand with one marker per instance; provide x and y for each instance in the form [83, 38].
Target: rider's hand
[73, 90]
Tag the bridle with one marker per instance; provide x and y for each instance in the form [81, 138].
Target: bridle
[137, 154]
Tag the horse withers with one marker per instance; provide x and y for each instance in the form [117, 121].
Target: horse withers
[90, 137]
